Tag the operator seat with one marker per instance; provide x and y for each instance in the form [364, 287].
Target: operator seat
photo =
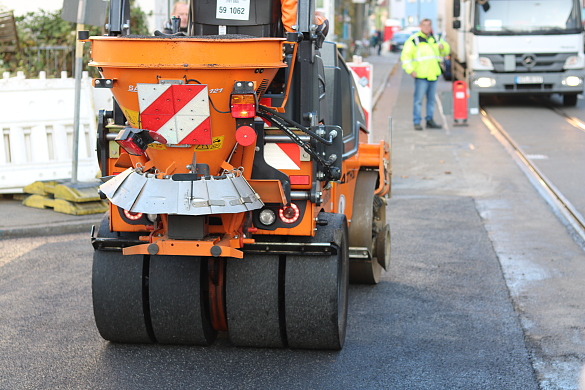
[262, 19]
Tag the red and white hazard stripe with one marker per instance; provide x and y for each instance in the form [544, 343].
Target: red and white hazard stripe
[283, 156]
[362, 72]
[179, 113]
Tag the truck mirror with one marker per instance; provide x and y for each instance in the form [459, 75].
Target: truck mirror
[484, 4]
[456, 8]
[456, 24]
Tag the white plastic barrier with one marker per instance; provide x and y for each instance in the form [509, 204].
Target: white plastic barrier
[36, 131]
[102, 99]
[363, 75]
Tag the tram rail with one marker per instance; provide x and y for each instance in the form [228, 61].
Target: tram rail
[576, 122]
[567, 213]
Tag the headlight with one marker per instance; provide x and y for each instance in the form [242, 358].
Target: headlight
[267, 217]
[485, 82]
[573, 62]
[572, 81]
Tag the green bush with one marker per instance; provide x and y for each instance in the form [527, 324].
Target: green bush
[47, 43]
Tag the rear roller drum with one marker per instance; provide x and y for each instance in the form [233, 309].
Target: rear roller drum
[252, 301]
[316, 291]
[118, 285]
[118, 299]
[177, 305]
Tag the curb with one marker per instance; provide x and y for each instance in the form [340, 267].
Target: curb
[50, 230]
[382, 86]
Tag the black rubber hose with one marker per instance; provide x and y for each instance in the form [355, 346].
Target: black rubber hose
[298, 125]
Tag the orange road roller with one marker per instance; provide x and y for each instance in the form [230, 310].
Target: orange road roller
[244, 195]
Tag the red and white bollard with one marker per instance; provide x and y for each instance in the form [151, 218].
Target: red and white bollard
[363, 75]
[460, 103]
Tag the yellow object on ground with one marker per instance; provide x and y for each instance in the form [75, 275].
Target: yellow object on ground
[64, 206]
[41, 187]
[77, 193]
[64, 197]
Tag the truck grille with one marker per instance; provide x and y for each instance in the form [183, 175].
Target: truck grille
[528, 87]
[517, 63]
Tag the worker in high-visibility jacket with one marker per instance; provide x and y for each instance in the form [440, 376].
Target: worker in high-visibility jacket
[420, 58]
[288, 9]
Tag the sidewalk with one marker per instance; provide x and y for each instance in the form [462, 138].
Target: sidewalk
[452, 190]
[21, 221]
[384, 66]
[427, 161]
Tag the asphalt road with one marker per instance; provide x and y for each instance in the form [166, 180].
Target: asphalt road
[441, 319]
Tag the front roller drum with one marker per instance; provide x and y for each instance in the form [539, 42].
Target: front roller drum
[316, 291]
[368, 229]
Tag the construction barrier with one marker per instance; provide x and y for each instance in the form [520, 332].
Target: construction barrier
[363, 74]
[36, 128]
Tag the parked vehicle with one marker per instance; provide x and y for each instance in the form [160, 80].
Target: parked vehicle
[391, 26]
[399, 39]
[518, 46]
[446, 68]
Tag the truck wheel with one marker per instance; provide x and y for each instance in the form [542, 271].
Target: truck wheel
[570, 100]
[118, 299]
[316, 291]
[177, 308]
[252, 301]
[363, 228]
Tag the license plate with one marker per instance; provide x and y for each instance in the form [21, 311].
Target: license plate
[529, 80]
[233, 9]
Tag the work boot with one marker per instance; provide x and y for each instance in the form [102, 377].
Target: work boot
[432, 125]
[417, 126]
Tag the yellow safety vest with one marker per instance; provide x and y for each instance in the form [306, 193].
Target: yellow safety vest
[421, 54]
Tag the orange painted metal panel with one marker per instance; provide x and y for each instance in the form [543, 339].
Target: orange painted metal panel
[270, 191]
[184, 248]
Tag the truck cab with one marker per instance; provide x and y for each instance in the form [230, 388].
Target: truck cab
[518, 46]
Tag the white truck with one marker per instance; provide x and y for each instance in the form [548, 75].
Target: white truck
[517, 47]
